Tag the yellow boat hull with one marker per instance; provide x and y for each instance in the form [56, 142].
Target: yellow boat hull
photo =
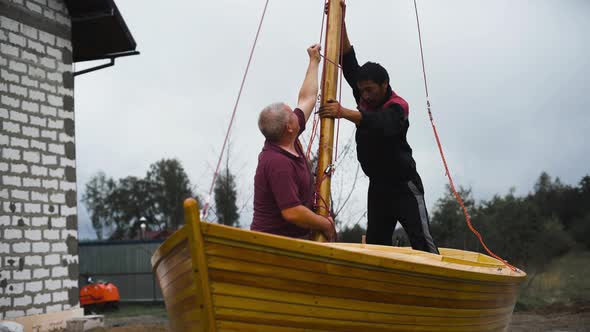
[218, 278]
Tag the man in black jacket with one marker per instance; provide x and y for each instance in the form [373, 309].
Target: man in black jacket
[395, 188]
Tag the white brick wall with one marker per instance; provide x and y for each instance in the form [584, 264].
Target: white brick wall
[30, 182]
[34, 260]
[59, 271]
[39, 221]
[14, 314]
[53, 284]
[42, 298]
[4, 221]
[11, 154]
[54, 308]
[32, 208]
[40, 273]
[50, 184]
[17, 288]
[52, 260]
[38, 196]
[21, 275]
[10, 127]
[49, 160]
[23, 301]
[34, 286]
[20, 194]
[34, 311]
[33, 160]
[33, 235]
[40, 247]
[4, 302]
[21, 247]
[19, 142]
[38, 145]
[59, 247]
[60, 296]
[31, 156]
[30, 131]
[51, 234]
[59, 222]
[70, 283]
[48, 110]
[30, 107]
[10, 234]
[11, 180]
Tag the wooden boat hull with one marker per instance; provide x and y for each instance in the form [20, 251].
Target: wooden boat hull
[217, 278]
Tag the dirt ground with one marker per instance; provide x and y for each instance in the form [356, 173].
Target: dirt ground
[553, 319]
[550, 319]
[135, 324]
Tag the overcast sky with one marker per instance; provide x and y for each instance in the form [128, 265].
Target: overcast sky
[508, 83]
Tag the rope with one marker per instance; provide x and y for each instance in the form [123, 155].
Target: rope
[442, 155]
[315, 115]
[231, 121]
[340, 85]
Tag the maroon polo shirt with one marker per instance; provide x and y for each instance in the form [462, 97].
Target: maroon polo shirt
[282, 181]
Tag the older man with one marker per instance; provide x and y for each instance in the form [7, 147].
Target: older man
[283, 184]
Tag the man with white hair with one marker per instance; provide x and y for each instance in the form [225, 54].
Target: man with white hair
[283, 184]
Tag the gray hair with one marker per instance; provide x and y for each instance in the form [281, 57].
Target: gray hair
[272, 121]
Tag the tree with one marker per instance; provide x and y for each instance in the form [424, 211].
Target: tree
[581, 231]
[225, 199]
[95, 197]
[171, 186]
[118, 206]
[131, 200]
[400, 238]
[352, 234]
[448, 225]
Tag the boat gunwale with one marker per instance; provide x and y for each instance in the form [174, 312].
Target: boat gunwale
[328, 252]
[507, 289]
[168, 245]
[397, 261]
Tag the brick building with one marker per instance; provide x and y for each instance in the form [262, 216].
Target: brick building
[39, 42]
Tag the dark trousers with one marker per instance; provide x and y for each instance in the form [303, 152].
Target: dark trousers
[389, 203]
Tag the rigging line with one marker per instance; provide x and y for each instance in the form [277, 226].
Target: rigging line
[326, 23]
[206, 207]
[351, 190]
[340, 81]
[448, 173]
[315, 115]
[346, 150]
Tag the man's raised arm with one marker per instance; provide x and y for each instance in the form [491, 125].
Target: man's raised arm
[309, 90]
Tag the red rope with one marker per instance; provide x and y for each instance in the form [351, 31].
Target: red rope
[340, 85]
[315, 115]
[442, 155]
[231, 121]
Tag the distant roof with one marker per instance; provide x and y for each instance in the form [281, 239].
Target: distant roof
[99, 31]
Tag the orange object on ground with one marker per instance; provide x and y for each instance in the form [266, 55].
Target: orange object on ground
[99, 293]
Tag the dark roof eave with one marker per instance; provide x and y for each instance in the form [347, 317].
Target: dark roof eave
[99, 31]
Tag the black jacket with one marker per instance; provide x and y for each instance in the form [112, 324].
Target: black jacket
[382, 148]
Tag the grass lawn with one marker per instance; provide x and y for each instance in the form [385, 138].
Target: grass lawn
[566, 281]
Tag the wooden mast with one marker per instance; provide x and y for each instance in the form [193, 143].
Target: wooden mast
[329, 90]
